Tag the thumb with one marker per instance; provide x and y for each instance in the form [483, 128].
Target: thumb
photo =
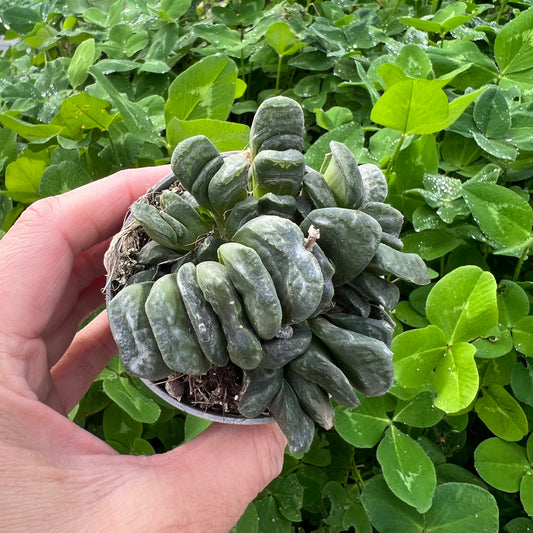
[206, 484]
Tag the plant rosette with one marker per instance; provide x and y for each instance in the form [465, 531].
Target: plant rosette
[248, 287]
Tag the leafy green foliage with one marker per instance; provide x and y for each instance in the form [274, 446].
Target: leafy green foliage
[440, 96]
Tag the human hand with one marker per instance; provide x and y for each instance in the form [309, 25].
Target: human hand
[55, 476]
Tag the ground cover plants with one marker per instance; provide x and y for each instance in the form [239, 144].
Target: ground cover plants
[439, 95]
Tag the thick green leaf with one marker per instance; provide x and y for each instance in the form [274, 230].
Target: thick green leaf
[289, 494]
[422, 24]
[529, 448]
[405, 313]
[445, 20]
[501, 464]
[351, 134]
[108, 66]
[457, 107]
[8, 147]
[414, 61]
[80, 113]
[387, 513]
[20, 19]
[132, 114]
[519, 525]
[142, 447]
[31, 132]
[463, 304]
[23, 177]
[456, 378]
[384, 141]
[362, 426]
[120, 427]
[513, 303]
[270, 518]
[497, 370]
[174, 9]
[462, 507]
[498, 342]
[204, 90]
[419, 412]
[391, 74]
[94, 400]
[219, 34]
[503, 215]
[456, 507]
[155, 66]
[523, 335]
[313, 480]
[195, 425]
[513, 46]
[450, 472]
[501, 413]
[407, 469]
[346, 508]
[226, 136]
[95, 16]
[492, 115]
[280, 36]
[522, 382]
[431, 243]
[63, 177]
[499, 148]
[82, 59]
[412, 106]
[132, 400]
[248, 522]
[136, 42]
[454, 22]
[441, 189]
[334, 117]
[526, 493]
[416, 353]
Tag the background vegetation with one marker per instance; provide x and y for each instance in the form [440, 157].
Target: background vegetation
[440, 95]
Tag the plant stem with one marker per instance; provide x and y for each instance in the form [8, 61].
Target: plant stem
[503, 7]
[435, 5]
[88, 160]
[392, 161]
[520, 263]
[278, 74]
[357, 476]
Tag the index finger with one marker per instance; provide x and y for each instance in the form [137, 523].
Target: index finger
[92, 213]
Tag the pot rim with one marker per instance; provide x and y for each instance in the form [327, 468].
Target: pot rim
[227, 418]
[156, 388]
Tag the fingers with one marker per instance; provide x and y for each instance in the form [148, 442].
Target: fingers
[91, 214]
[39, 251]
[205, 485]
[92, 348]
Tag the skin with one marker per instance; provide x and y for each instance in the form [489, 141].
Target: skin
[54, 475]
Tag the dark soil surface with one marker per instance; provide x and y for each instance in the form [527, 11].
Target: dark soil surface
[218, 391]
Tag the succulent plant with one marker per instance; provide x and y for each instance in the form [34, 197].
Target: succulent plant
[256, 263]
